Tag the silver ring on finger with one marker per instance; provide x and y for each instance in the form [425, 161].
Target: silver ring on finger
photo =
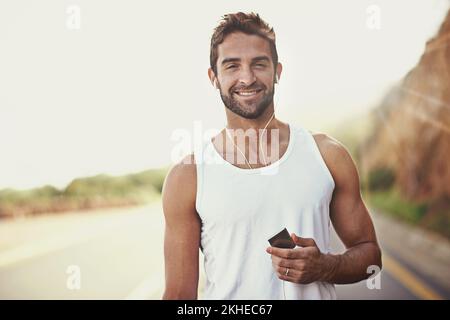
[287, 272]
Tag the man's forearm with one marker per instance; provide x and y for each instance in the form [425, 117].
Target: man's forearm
[176, 294]
[351, 266]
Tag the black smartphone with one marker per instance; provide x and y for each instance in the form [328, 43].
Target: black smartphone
[282, 240]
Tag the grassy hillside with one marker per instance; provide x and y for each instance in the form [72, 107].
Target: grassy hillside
[84, 193]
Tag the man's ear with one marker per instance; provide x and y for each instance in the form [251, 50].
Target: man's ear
[212, 78]
[278, 71]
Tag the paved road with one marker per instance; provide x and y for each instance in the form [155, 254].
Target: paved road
[118, 254]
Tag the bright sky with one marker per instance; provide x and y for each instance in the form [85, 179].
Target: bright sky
[106, 98]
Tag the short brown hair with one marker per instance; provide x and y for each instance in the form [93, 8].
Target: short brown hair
[248, 23]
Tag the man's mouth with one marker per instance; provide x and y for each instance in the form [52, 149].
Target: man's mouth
[247, 93]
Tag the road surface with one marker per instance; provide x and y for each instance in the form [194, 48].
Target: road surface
[118, 254]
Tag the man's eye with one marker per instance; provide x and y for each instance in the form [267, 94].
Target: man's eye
[232, 66]
[260, 65]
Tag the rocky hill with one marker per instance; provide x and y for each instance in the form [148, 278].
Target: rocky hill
[410, 142]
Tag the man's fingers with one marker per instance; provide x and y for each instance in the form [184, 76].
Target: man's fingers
[303, 242]
[282, 253]
[287, 253]
[284, 263]
[291, 276]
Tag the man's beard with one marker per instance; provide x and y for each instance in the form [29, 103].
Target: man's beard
[235, 106]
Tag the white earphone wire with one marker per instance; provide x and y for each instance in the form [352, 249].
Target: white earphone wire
[264, 131]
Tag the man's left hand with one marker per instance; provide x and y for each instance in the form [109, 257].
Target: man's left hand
[305, 263]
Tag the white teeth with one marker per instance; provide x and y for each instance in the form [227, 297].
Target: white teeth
[246, 93]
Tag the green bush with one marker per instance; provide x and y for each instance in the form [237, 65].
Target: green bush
[391, 202]
[381, 179]
[439, 222]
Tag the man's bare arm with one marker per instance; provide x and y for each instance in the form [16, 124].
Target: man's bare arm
[306, 263]
[182, 232]
[350, 218]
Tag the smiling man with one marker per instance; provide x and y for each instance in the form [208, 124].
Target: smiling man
[229, 209]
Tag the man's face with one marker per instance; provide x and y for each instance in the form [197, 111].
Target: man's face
[245, 74]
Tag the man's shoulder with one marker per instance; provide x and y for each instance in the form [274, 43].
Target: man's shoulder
[182, 177]
[184, 169]
[328, 144]
[333, 152]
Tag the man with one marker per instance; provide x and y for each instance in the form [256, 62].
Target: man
[230, 209]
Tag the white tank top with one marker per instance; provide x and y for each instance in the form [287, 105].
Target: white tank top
[241, 209]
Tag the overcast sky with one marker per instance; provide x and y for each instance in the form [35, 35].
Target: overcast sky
[106, 98]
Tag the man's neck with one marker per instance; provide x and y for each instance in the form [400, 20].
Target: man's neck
[238, 123]
[235, 121]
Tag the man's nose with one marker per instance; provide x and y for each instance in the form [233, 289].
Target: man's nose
[247, 76]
